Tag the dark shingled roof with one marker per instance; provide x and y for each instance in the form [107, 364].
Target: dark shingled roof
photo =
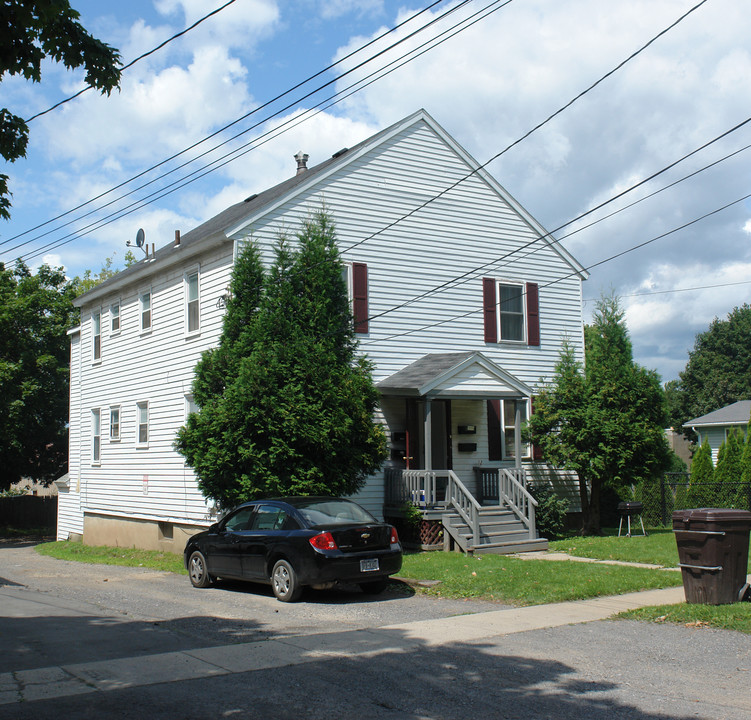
[735, 414]
[421, 372]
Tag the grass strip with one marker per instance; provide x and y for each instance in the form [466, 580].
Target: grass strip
[100, 555]
[657, 548]
[512, 581]
[725, 617]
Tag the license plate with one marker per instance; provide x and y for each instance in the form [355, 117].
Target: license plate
[368, 565]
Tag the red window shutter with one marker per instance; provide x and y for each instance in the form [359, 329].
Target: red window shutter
[489, 310]
[536, 451]
[360, 296]
[494, 430]
[533, 314]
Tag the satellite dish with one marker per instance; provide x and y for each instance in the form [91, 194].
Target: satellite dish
[140, 237]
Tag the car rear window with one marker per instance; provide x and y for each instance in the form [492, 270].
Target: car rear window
[334, 512]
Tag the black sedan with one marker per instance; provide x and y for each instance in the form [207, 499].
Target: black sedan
[294, 542]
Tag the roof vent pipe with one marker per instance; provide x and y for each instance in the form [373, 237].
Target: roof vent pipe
[302, 162]
[177, 238]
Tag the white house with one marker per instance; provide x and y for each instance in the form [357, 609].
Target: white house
[461, 301]
[716, 426]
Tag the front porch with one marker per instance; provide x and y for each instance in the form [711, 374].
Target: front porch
[500, 520]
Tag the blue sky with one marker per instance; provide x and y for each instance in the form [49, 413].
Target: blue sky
[488, 86]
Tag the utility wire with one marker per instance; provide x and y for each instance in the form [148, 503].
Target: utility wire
[225, 127]
[266, 137]
[677, 290]
[133, 62]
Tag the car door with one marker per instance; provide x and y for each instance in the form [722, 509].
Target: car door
[226, 548]
[269, 529]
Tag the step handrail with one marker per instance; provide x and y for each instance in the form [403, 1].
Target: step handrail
[465, 503]
[513, 492]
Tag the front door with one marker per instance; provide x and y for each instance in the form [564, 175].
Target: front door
[440, 455]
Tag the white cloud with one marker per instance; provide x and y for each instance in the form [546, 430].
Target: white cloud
[336, 8]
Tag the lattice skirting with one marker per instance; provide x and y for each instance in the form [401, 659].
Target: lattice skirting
[431, 533]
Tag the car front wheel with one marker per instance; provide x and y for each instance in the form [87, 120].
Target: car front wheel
[198, 570]
[284, 582]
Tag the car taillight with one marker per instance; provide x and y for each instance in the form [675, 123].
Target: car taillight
[324, 541]
[394, 536]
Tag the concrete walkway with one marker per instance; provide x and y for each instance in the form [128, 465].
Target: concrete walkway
[193, 664]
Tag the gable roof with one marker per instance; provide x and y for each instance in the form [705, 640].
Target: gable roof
[735, 414]
[223, 226]
[465, 374]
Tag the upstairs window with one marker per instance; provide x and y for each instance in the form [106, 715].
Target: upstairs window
[145, 307]
[115, 318]
[356, 276]
[192, 303]
[115, 423]
[511, 311]
[96, 332]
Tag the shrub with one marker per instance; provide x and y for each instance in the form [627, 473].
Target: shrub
[550, 514]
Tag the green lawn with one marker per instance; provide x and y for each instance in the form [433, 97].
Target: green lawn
[727, 617]
[528, 582]
[657, 548]
[130, 557]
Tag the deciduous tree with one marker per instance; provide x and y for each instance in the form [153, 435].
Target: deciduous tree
[30, 32]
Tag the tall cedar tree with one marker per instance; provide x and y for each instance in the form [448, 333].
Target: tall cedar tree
[605, 422]
[32, 32]
[701, 488]
[718, 371]
[286, 403]
[36, 312]
[728, 468]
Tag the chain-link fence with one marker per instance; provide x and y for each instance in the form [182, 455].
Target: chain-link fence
[674, 491]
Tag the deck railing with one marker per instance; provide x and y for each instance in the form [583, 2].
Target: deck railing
[508, 486]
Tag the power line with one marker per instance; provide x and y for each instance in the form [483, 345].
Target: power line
[677, 290]
[221, 130]
[133, 62]
[256, 142]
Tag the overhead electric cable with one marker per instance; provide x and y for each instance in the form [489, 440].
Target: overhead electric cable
[133, 62]
[677, 290]
[231, 124]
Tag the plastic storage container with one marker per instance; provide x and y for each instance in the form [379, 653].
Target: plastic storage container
[713, 554]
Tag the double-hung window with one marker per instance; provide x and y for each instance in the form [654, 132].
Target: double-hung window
[192, 302]
[115, 318]
[142, 423]
[502, 429]
[96, 436]
[115, 423]
[511, 311]
[355, 275]
[96, 333]
[144, 301]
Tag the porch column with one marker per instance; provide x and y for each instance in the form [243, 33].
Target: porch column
[428, 435]
[517, 435]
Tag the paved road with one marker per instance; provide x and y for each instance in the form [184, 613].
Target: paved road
[80, 642]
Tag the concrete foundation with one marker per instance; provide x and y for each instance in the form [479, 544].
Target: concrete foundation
[144, 534]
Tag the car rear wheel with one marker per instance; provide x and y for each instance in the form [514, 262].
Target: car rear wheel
[198, 570]
[374, 587]
[285, 583]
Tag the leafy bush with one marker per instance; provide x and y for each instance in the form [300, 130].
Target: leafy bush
[550, 513]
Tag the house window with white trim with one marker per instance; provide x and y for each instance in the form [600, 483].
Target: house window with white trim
[115, 318]
[96, 436]
[115, 423]
[144, 301]
[510, 311]
[142, 422]
[502, 428]
[96, 333]
[192, 302]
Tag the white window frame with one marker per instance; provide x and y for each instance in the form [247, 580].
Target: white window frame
[115, 316]
[190, 406]
[115, 427]
[194, 271]
[96, 336]
[142, 310]
[500, 311]
[96, 436]
[507, 455]
[141, 407]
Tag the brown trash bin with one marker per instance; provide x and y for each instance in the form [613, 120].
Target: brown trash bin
[713, 554]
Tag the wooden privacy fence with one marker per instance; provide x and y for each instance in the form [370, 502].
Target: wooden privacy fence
[28, 511]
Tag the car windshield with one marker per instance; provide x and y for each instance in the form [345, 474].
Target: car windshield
[334, 512]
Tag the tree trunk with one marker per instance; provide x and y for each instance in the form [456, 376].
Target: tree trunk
[591, 516]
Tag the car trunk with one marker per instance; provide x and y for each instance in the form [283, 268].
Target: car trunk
[356, 538]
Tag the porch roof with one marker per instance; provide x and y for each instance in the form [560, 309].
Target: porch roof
[454, 375]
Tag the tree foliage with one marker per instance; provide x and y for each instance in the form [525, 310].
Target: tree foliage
[718, 371]
[285, 402]
[30, 32]
[702, 477]
[604, 422]
[36, 312]
[90, 279]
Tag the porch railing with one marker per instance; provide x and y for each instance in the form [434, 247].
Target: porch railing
[508, 486]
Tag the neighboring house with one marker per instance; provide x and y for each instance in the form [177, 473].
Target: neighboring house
[715, 426]
[461, 300]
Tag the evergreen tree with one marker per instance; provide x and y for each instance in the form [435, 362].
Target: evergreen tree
[743, 496]
[728, 468]
[286, 403]
[606, 423]
[702, 477]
